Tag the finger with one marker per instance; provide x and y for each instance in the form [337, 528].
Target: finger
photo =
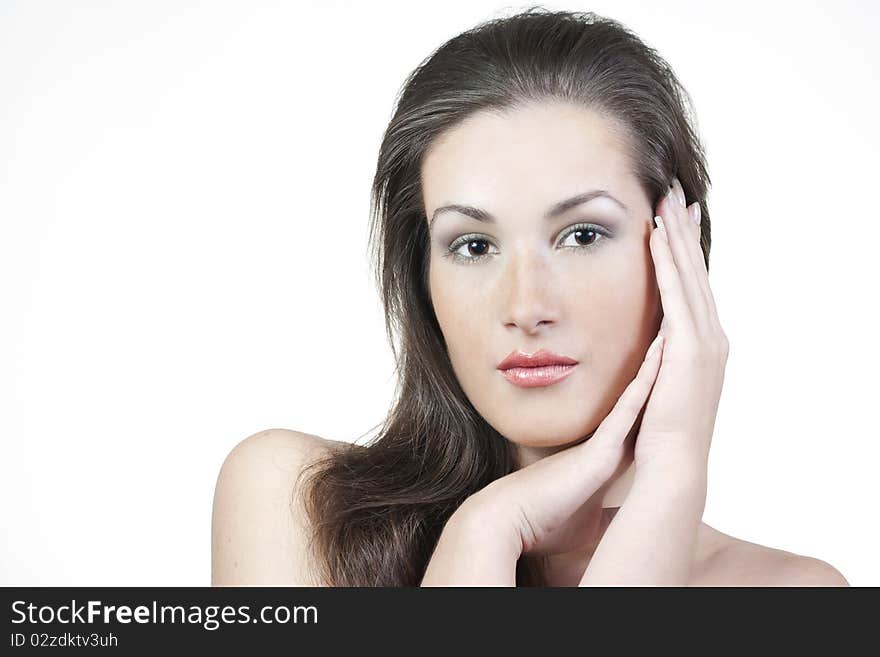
[613, 430]
[698, 258]
[679, 234]
[692, 219]
[693, 234]
[676, 312]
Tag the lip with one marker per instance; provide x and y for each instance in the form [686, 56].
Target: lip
[540, 358]
[533, 377]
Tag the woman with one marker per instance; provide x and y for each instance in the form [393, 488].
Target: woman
[532, 441]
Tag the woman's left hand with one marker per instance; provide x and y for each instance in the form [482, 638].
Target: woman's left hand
[679, 418]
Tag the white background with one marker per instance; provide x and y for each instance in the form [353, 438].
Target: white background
[184, 194]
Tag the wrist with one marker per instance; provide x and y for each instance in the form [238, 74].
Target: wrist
[487, 521]
[473, 550]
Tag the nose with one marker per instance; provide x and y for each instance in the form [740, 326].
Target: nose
[528, 293]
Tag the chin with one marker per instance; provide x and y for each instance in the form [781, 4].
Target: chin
[547, 434]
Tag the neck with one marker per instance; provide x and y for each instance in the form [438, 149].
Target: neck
[567, 568]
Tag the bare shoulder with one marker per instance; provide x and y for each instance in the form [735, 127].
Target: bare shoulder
[736, 562]
[259, 530]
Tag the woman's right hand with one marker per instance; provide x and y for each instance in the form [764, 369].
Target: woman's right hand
[539, 500]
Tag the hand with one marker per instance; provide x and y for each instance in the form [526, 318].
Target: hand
[679, 418]
[540, 501]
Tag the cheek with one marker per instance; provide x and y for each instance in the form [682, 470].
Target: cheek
[621, 321]
[618, 309]
[459, 316]
[619, 298]
[618, 312]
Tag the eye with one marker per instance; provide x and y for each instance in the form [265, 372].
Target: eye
[587, 237]
[476, 242]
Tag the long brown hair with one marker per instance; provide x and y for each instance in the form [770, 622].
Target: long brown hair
[377, 510]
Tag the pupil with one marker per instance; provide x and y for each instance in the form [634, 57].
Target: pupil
[584, 232]
[476, 242]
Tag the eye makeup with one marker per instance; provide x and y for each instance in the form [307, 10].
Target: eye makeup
[598, 234]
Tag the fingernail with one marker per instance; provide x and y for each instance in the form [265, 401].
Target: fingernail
[680, 191]
[653, 347]
[659, 222]
[696, 214]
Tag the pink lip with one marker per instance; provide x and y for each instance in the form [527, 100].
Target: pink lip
[532, 377]
[540, 358]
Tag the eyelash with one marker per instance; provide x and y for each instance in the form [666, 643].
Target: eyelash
[464, 240]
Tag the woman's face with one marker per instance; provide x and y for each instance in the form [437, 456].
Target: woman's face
[540, 284]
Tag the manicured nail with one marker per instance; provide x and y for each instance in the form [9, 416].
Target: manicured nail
[680, 191]
[659, 221]
[696, 214]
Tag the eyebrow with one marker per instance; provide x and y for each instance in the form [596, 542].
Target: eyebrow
[559, 208]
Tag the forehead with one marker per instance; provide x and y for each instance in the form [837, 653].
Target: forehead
[536, 151]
